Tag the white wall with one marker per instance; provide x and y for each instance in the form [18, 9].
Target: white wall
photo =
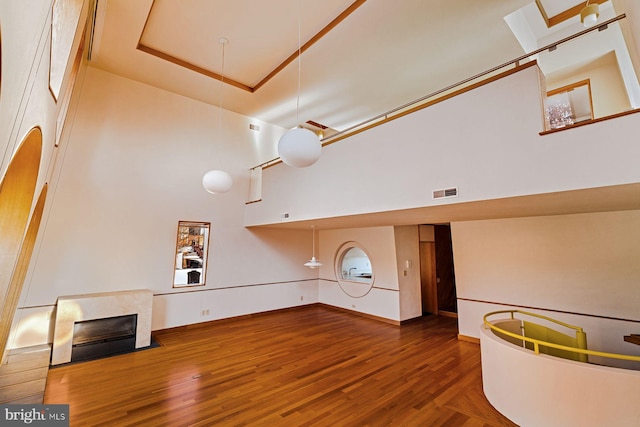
[485, 141]
[27, 102]
[631, 33]
[131, 161]
[408, 267]
[130, 170]
[379, 242]
[540, 390]
[608, 93]
[582, 269]
[25, 54]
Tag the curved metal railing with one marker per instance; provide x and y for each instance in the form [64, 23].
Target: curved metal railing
[537, 343]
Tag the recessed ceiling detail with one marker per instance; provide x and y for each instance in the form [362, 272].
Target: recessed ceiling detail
[254, 58]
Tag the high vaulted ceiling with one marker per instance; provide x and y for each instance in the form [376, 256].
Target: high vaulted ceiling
[360, 57]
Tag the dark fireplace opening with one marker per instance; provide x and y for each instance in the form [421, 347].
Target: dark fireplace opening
[93, 339]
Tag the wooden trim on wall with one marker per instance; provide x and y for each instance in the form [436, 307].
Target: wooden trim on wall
[419, 107]
[504, 304]
[432, 102]
[186, 64]
[590, 122]
[361, 314]
[468, 339]
[447, 314]
[569, 87]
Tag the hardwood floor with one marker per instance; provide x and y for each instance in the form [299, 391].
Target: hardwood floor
[309, 366]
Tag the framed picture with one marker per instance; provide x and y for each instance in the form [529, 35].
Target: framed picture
[192, 245]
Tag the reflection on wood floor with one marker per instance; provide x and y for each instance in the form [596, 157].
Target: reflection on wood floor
[298, 367]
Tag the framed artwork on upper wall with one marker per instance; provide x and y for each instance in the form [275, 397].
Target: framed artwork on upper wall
[65, 17]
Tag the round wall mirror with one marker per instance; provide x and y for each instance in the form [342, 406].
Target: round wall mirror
[354, 270]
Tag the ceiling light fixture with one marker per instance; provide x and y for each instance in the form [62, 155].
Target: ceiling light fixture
[299, 147]
[313, 262]
[589, 14]
[218, 181]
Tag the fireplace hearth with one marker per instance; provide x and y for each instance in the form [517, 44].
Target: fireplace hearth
[93, 339]
[73, 310]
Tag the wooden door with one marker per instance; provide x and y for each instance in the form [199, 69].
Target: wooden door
[428, 278]
[446, 279]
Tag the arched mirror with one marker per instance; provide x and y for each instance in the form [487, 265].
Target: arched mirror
[191, 254]
[354, 270]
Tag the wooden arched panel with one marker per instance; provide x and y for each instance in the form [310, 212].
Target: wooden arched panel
[17, 189]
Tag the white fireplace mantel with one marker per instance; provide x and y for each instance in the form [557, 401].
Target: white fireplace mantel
[78, 308]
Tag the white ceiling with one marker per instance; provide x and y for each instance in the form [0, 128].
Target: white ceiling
[379, 56]
[384, 54]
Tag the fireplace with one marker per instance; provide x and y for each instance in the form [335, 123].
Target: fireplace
[74, 310]
[97, 338]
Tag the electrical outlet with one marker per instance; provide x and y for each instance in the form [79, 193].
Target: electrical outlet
[204, 312]
[301, 298]
[353, 306]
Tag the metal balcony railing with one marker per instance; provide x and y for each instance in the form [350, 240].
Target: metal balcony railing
[539, 345]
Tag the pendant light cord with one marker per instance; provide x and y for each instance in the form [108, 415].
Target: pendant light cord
[299, 67]
[223, 42]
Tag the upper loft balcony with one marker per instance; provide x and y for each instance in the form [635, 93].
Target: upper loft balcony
[551, 132]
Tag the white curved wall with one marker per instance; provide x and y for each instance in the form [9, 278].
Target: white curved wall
[581, 269]
[539, 390]
[379, 242]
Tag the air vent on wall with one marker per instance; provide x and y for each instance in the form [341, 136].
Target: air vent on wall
[447, 192]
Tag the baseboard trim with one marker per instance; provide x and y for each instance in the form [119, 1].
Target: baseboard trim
[358, 313]
[262, 313]
[468, 339]
[447, 314]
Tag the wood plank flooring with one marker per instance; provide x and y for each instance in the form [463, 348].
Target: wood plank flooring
[309, 366]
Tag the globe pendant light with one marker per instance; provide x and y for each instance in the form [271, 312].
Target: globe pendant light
[313, 262]
[299, 147]
[218, 181]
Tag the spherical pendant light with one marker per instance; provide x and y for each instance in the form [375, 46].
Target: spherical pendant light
[217, 182]
[299, 147]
